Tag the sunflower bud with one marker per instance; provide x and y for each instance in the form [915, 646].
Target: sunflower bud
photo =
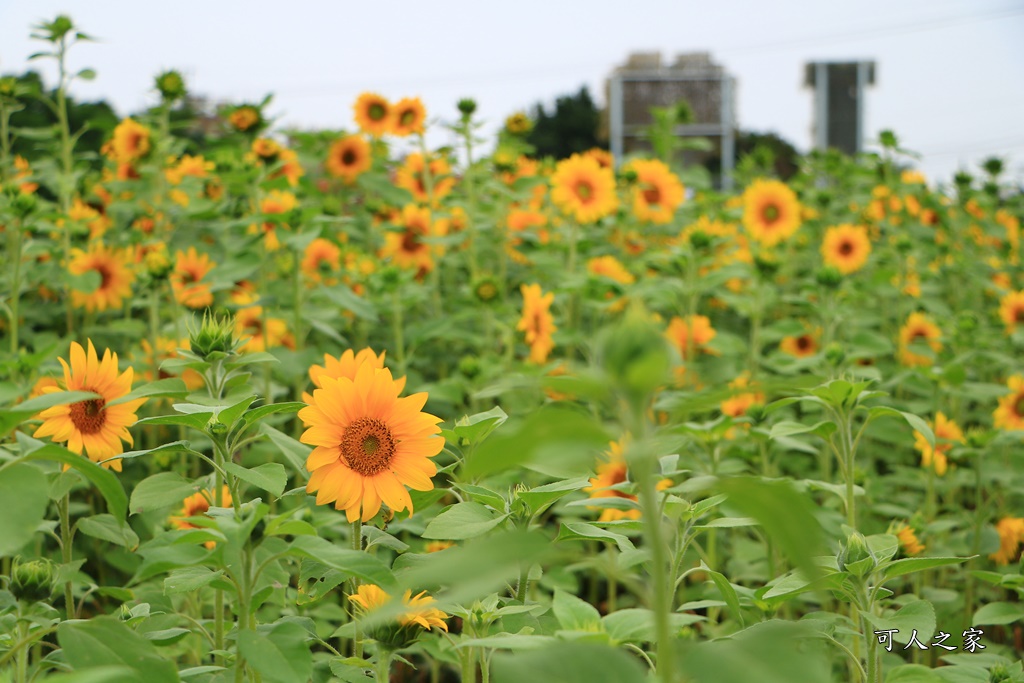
[963, 179]
[170, 85]
[8, 86]
[856, 556]
[467, 106]
[469, 366]
[835, 354]
[485, 289]
[628, 176]
[24, 204]
[214, 336]
[32, 581]
[636, 355]
[157, 261]
[700, 239]
[829, 276]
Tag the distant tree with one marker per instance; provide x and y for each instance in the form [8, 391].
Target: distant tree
[768, 151]
[99, 116]
[570, 128]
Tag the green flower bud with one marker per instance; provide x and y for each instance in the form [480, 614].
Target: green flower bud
[214, 336]
[170, 85]
[635, 354]
[700, 239]
[467, 106]
[486, 289]
[835, 354]
[469, 366]
[24, 204]
[32, 581]
[993, 166]
[963, 179]
[856, 556]
[904, 244]
[829, 277]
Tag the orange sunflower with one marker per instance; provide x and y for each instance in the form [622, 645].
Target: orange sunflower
[276, 202]
[188, 166]
[771, 212]
[537, 322]
[321, 262]
[130, 142]
[946, 434]
[249, 325]
[739, 403]
[657, 193]
[93, 426]
[800, 346]
[348, 158]
[908, 540]
[189, 269]
[610, 474]
[680, 331]
[373, 114]
[919, 328]
[1011, 536]
[407, 248]
[846, 247]
[115, 277]
[611, 268]
[1011, 310]
[346, 365]
[581, 188]
[369, 444]
[408, 116]
[411, 176]
[197, 505]
[418, 610]
[1010, 413]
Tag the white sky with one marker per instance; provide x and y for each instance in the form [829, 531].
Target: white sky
[950, 75]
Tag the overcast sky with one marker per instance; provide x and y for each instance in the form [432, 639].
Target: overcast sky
[950, 74]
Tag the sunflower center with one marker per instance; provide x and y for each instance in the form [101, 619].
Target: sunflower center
[410, 241]
[845, 248]
[770, 213]
[652, 195]
[1018, 406]
[407, 118]
[105, 275]
[88, 416]
[348, 157]
[1018, 315]
[377, 112]
[803, 342]
[917, 335]
[368, 446]
[585, 191]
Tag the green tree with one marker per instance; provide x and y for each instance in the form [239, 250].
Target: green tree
[570, 128]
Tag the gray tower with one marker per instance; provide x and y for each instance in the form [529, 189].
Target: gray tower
[839, 91]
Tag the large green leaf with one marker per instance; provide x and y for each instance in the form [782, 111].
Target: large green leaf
[568, 663]
[269, 476]
[105, 481]
[353, 562]
[910, 565]
[107, 641]
[163, 490]
[25, 496]
[462, 521]
[916, 616]
[280, 655]
[574, 614]
[999, 613]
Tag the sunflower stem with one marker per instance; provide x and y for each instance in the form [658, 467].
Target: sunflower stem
[523, 587]
[23, 653]
[66, 539]
[357, 545]
[467, 180]
[383, 666]
[397, 329]
[15, 255]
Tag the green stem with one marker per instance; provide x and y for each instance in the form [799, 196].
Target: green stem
[218, 596]
[523, 587]
[16, 236]
[467, 181]
[66, 540]
[398, 331]
[383, 667]
[65, 187]
[23, 653]
[469, 666]
[357, 545]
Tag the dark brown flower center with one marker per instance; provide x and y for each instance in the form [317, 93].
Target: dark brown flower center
[770, 213]
[845, 248]
[652, 195]
[1018, 406]
[368, 446]
[348, 157]
[88, 416]
[407, 118]
[410, 241]
[105, 275]
[376, 112]
[804, 342]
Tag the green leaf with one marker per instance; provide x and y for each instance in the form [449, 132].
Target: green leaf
[269, 476]
[25, 495]
[999, 613]
[108, 528]
[15, 415]
[727, 591]
[190, 579]
[568, 662]
[482, 494]
[350, 301]
[727, 523]
[463, 520]
[509, 641]
[172, 386]
[280, 655]
[636, 625]
[167, 448]
[786, 428]
[574, 614]
[103, 479]
[914, 421]
[163, 490]
[229, 415]
[913, 673]
[785, 514]
[919, 616]
[476, 428]
[106, 641]
[353, 562]
[257, 414]
[575, 531]
[294, 451]
[911, 565]
[193, 420]
[540, 497]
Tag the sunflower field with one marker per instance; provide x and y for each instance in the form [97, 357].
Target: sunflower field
[290, 406]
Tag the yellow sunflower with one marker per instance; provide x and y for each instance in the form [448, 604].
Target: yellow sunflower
[130, 142]
[408, 116]
[186, 280]
[1009, 415]
[249, 325]
[800, 346]
[92, 425]
[611, 268]
[115, 277]
[537, 322]
[771, 212]
[610, 473]
[321, 262]
[369, 444]
[407, 248]
[189, 166]
[348, 158]
[346, 366]
[581, 188]
[245, 117]
[410, 176]
[197, 505]
[1011, 310]
[1011, 536]
[418, 612]
[846, 247]
[946, 434]
[919, 328]
[696, 329]
[908, 540]
[739, 403]
[657, 193]
[372, 113]
[275, 203]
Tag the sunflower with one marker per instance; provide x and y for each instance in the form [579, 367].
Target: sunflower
[846, 247]
[189, 269]
[346, 366]
[411, 176]
[537, 322]
[657, 192]
[290, 168]
[245, 117]
[908, 540]
[518, 123]
[408, 116]
[1009, 415]
[266, 150]
[1011, 536]
[946, 434]
[92, 425]
[407, 248]
[115, 277]
[581, 188]
[696, 329]
[771, 212]
[348, 158]
[611, 268]
[373, 114]
[369, 443]
[739, 403]
[1011, 310]
[919, 328]
[610, 474]
[191, 166]
[197, 505]
[603, 157]
[249, 324]
[275, 203]
[418, 610]
[801, 346]
[322, 261]
[130, 142]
